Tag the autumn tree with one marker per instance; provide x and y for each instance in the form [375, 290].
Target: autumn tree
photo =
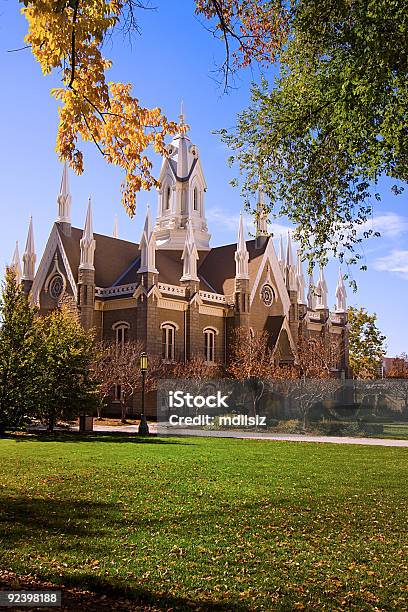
[399, 367]
[398, 381]
[251, 362]
[103, 373]
[197, 374]
[68, 35]
[314, 378]
[366, 344]
[19, 365]
[123, 371]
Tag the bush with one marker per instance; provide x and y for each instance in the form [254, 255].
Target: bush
[371, 428]
[331, 428]
[290, 426]
[271, 422]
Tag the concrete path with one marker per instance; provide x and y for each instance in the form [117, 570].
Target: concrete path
[160, 430]
[280, 437]
[175, 431]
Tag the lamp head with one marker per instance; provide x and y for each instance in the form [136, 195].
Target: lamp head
[143, 362]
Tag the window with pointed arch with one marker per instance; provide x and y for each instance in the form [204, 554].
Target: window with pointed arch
[168, 341]
[167, 197]
[209, 344]
[195, 198]
[121, 330]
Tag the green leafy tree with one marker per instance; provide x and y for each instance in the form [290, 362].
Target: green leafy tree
[333, 122]
[67, 385]
[366, 343]
[18, 355]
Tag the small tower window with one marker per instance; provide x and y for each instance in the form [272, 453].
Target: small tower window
[167, 197]
[195, 198]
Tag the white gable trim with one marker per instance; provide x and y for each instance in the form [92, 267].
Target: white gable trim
[270, 257]
[54, 244]
[198, 172]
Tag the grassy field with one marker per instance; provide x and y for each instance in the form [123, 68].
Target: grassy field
[209, 524]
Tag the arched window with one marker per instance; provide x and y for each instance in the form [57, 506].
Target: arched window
[195, 198]
[168, 341]
[167, 197]
[209, 344]
[121, 329]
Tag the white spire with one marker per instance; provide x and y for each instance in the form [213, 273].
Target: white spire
[115, 227]
[300, 279]
[64, 198]
[281, 257]
[183, 146]
[262, 216]
[321, 290]
[311, 293]
[15, 264]
[290, 267]
[148, 246]
[87, 242]
[189, 256]
[181, 115]
[241, 253]
[341, 294]
[289, 253]
[29, 256]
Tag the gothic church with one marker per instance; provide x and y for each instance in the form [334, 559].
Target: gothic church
[173, 291]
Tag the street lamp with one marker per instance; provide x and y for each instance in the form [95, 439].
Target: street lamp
[143, 426]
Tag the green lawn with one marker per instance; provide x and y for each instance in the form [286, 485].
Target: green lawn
[210, 524]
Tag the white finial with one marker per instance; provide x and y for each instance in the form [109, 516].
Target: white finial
[290, 268]
[115, 227]
[181, 116]
[87, 243]
[29, 256]
[311, 294]
[281, 257]
[300, 279]
[321, 290]
[241, 253]
[341, 294]
[289, 254]
[15, 264]
[148, 246]
[190, 256]
[64, 198]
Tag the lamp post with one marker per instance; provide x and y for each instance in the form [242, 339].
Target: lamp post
[143, 426]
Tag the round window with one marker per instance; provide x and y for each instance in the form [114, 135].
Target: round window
[267, 295]
[56, 286]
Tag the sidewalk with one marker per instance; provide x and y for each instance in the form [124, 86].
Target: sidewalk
[174, 431]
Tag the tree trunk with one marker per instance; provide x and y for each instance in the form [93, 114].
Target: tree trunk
[123, 411]
[305, 419]
[51, 420]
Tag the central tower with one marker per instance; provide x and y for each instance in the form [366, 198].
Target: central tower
[181, 195]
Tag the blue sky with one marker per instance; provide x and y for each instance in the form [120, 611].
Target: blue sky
[173, 59]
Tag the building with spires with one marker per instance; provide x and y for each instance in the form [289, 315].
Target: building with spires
[172, 290]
